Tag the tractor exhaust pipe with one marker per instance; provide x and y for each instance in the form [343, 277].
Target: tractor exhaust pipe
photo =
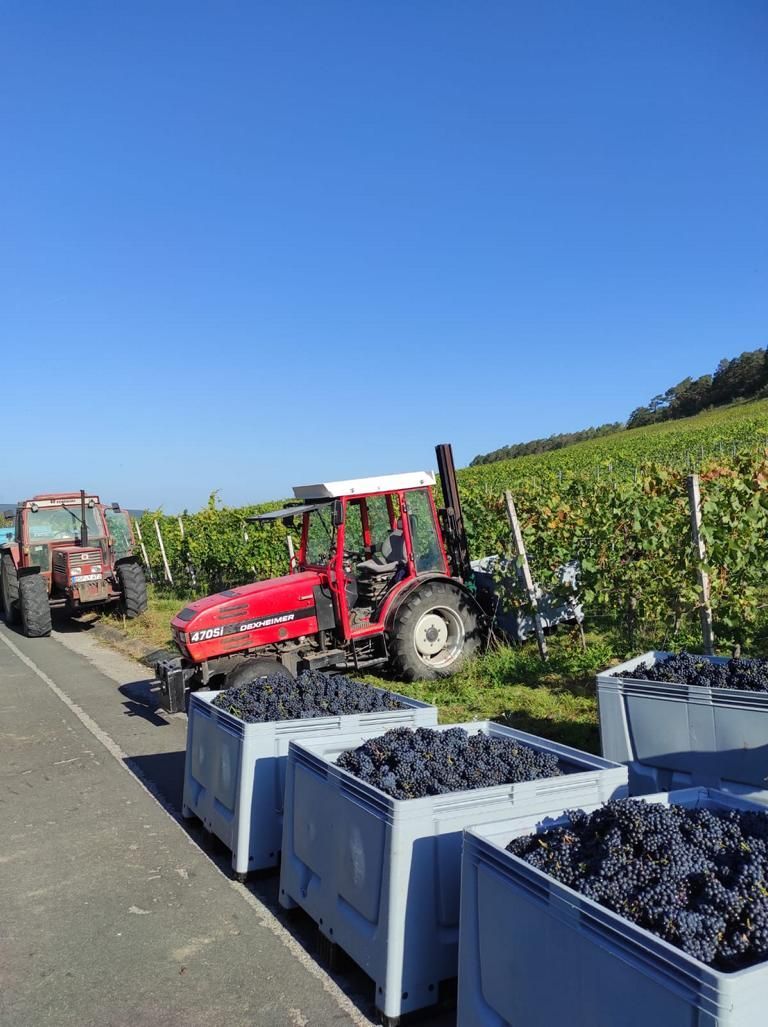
[83, 525]
[453, 523]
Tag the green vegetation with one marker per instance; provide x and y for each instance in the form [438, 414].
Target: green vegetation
[153, 628]
[734, 381]
[547, 445]
[743, 377]
[683, 443]
[507, 685]
[617, 503]
[557, 701]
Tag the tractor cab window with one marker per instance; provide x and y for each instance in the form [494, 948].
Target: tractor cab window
[354, 532]
[382, 518]
[119, 526]
[59, 524]
[319, 536]
[384, 560]
[62, 524]
[373, 536]
[427, 554]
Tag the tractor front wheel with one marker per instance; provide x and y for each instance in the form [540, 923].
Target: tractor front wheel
[253, 669]
[435, 631]
[9, 585]
[133, 586]
[34, 606]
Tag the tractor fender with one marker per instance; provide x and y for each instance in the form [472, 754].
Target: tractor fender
[416, 584]
[11, 549]
[26, 572]
[126, 559]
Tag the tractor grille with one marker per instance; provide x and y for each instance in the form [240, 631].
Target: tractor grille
[86, 556]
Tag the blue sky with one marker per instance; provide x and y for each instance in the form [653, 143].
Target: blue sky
[248, 245]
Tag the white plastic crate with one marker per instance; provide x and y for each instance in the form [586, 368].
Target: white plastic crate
[535, 953]
[234, 772]
[380, 876]
[675, 736]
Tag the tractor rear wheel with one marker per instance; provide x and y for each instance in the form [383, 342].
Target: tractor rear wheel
[9, 585]
[435, 631]
[254, 668]
[133, 586]
[34, 606]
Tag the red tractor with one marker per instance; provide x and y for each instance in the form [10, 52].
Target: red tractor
[381, 577]
[68, 551]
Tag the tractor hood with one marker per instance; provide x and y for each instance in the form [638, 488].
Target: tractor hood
[252, 615]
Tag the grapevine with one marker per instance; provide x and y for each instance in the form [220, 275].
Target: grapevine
[629, 529]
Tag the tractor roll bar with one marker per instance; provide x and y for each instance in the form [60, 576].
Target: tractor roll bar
[83, 525]
[453, 527]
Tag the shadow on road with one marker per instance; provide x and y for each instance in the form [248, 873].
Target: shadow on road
[165, 770]
[142, 700]
[67, 625]
[163, 775]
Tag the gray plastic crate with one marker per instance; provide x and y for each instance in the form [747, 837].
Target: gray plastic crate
[675, 736]
[380, 876]
[533, 952]
[234, 773]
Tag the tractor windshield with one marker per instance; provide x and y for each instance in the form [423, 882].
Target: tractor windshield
[62, 523]
[319, 537]
[119, 524]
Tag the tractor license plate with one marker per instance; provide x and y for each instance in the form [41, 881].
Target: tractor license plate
[77, 578]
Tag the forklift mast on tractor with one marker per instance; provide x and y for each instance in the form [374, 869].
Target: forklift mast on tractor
[68, 551]
[381, 577]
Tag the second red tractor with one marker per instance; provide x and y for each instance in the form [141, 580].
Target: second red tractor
[68, 551]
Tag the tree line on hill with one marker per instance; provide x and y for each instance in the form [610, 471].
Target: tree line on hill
[742, 377]
[548, 444]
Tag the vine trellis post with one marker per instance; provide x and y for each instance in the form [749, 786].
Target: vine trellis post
[694, 502]
[525, 569]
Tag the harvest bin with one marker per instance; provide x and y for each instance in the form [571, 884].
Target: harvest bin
[674, 736]
[234, 772]
[380, 876]
[534, 952]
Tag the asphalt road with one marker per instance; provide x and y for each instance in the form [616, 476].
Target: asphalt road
[114, 911]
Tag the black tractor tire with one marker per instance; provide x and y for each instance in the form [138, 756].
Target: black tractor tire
[9, 589]
[34, 606]
[133, 586]
[436, 630]
[254, 668]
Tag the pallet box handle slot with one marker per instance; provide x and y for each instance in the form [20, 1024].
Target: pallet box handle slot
[320, 726]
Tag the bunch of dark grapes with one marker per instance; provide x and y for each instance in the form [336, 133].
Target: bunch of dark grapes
[409, 764]
[697, 878]
[689, 669]
[311, 694]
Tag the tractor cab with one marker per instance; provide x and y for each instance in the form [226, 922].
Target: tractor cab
[368, 538]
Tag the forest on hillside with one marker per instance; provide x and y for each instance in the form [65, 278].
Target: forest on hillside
[739, 378]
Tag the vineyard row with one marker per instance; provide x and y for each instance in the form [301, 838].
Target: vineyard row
[631, 535]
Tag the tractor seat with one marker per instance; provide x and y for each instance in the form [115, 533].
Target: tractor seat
[391, 557]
